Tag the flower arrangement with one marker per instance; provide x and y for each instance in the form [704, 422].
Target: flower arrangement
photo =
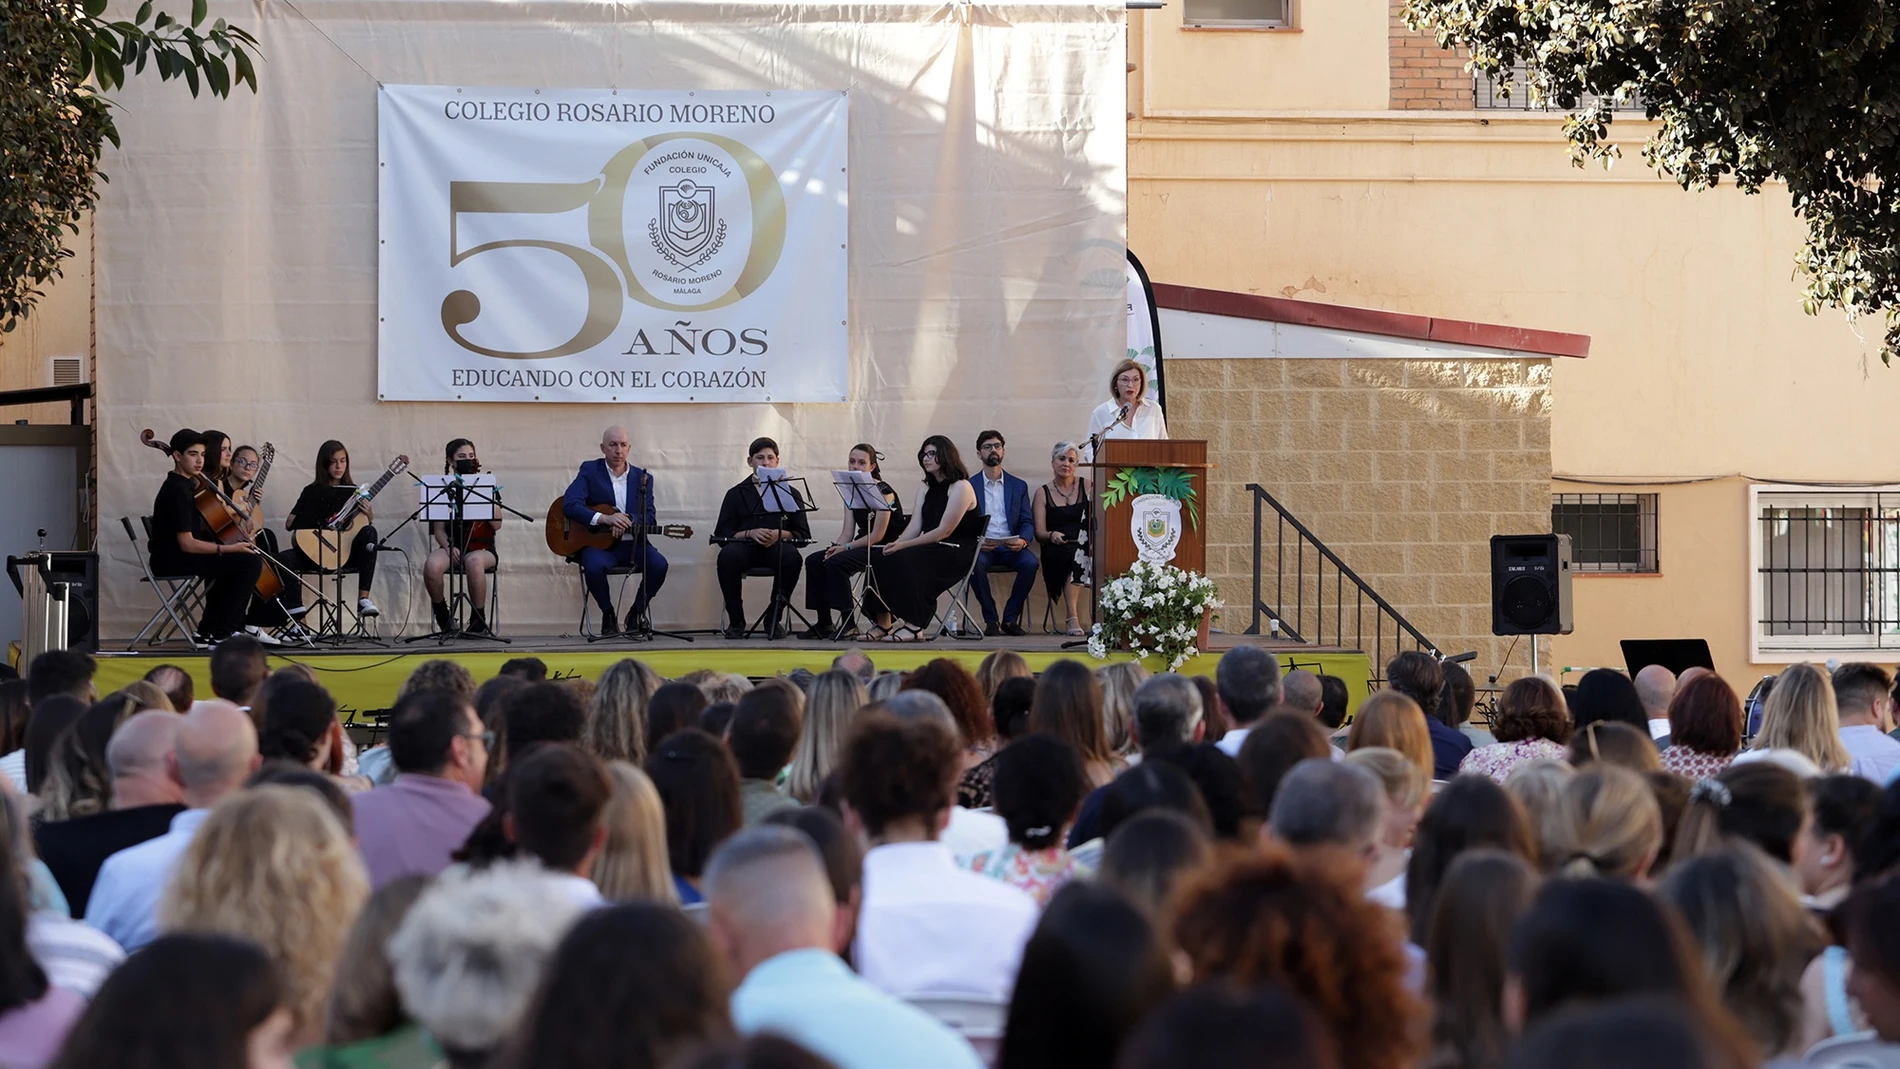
[1154, 608]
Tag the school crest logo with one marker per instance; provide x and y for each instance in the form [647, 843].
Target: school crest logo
[688, 230]
[1155, 523]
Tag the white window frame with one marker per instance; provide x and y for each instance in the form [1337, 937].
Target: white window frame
[1292, 20]
[1791, 649]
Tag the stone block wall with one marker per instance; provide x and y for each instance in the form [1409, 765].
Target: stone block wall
[1404, 468]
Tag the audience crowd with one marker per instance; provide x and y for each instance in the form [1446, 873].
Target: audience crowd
[942, 869]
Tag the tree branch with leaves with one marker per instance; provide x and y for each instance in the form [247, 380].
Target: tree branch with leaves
[59, 59]
[1805, 93]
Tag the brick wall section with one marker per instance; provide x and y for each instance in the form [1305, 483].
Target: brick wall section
[1423, 75]
[1405, 469]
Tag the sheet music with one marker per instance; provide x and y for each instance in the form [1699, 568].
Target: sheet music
[859, 491]
[775, 494]
[437, 497]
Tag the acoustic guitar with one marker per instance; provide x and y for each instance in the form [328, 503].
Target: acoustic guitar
[567, 537]
[328, 546]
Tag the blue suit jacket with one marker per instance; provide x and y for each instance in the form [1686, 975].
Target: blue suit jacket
[593, 486]
[1015, 504]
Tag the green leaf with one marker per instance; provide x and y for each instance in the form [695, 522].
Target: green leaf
[145, 12]
[191, 76]
[199, 9]
[245, 73]
[94, 8]
[218, 75]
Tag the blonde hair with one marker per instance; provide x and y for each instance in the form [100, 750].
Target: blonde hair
[1120, 681]
[1615, 823]
[1404, 785]
[632, 865]
[1394, 721]
[148, 695]
[836, 696]
[1128, 365]
[1539, 787]
[998, 666]
[1800, 715]
[273, 865]
[616, 725]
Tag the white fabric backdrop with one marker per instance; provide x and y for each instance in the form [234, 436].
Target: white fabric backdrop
[237, 276]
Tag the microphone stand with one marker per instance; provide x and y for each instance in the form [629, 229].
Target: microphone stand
[643, 629]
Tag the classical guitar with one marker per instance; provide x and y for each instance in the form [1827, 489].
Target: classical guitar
[222, 515]
[567, 537]
[328, 547]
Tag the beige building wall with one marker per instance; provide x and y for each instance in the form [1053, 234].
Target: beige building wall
[1702, 365]
[60, 325]
[1404, 468]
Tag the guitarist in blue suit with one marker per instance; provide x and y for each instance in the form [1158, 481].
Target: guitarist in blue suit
[1012, 529]
[630, 489]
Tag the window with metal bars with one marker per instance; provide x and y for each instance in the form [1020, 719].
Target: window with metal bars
[1489, 94]
[1827, 571]
[1608, 532]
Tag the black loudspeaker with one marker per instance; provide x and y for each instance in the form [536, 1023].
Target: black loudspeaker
[80, 573]
[1530, 585]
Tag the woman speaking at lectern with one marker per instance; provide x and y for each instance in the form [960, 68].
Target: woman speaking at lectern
[1130, 413]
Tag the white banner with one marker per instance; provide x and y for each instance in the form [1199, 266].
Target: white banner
[611, 246]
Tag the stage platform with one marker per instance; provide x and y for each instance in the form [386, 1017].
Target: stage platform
[365, 677]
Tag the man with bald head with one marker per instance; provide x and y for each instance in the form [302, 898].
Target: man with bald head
[772, 914]
[1655, 688]
[1300, 692]
[611, 494]
[214, 752]
[145, 798]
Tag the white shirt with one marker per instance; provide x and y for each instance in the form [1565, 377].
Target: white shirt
[973, 831]
[75, 956]
[1391, 893]
[1147, 419]
[13, 767]
[576, 889]
[995, 507]
[929, 926]
[620, 496]
[1659, 728]
[124, 902]
[1229, 743]
[1876, 756]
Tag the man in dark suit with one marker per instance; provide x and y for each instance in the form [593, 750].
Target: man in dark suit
[1005, 500]
[611, 480]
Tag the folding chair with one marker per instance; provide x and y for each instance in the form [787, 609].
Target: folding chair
[946, 619]
[758, 624]
[621, 570]
[179, 596]
[1860, 1050]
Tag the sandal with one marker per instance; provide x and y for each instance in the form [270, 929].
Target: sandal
[877, 633]
[898, 635]
[1075, 628]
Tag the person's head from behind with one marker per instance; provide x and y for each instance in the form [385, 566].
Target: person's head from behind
[1631, 1033]
[1755, 937]
[1274, 745]
[1532, 708]
[138, 756]
[1039, 783]
[699, 788]
[214, 753]
[1873, 942]
[616, 725]
[1248, 681]
[299, 723]
[472, 950]
[1605, 695]
[1759, 802]
[317, 784]
[364, 1004]
[1152, 785]
[1393, 720]
[1800, 715]
[1167, 712]
[1150, 854]
[436, 733]
[632, 863]
[858, 663]
[1417, 675]
[1405, 792]
[674, 707]
[1302, 692]
[1222, 786]
[529, 669]
[1069, 704]
[1301, 921]
[961, 694]
[1094, 967]
[439, 674]
[238, 667]
[538, 713]
[899, 776]
[77, 781]
[1010, 705]
[1611, 742]
[1615, 824]
[67, 672]
[1705, 716]
[1467, 813]
[176, 683]
[998, 666]
[1483, 894]
[1119, 683]
[1863, 695]
[207, 1001]
[1334, 700]
[47, 722]
[768, 893]
[1262, 1027]
[1460, 694]
[836, 697]
[556, 797]
[1539, 787]
[764, 731]
[1842, 808]
[1330, 806]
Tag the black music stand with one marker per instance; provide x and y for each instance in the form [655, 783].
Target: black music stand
[858, 489]
[452, 501]
[779, 497]
[330, 502]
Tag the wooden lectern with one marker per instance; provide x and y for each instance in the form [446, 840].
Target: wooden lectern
[1113, 551]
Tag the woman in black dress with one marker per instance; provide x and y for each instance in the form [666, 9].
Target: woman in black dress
[1061, 509]
[908, 574]
[828, 571]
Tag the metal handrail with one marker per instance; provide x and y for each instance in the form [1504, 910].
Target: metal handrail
[1296, 625]
[76, 393]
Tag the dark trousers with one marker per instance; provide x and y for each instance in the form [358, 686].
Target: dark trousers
[1024, 564]
[362, 559]
[828, 582]
[229, 581]
[594, 565]
[736, 558]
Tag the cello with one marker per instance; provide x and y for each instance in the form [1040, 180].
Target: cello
[221, 514]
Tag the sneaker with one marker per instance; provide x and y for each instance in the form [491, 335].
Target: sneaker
[366, 607]
[477, 623]
[263, 637]
[443, 621]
